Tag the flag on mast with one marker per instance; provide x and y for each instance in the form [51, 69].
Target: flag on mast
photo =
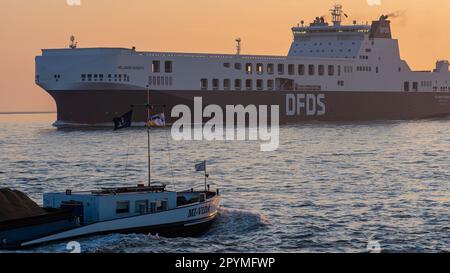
[201, 167]
[123, 121]
[158, 120]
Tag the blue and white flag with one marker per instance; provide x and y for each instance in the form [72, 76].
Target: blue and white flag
[201, 167]
[158, 120]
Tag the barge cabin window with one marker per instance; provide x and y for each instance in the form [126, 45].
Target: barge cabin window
[122, 207]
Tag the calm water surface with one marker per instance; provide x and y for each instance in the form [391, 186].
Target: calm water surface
[329, 187]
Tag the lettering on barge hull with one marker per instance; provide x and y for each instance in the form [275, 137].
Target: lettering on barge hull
[305, 105]
[199, 211]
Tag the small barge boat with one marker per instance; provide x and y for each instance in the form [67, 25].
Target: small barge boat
[142, 209]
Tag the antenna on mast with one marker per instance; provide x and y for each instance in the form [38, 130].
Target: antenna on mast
[238, 46]
[73, 43]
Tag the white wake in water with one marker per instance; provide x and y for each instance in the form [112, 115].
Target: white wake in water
[230, 225]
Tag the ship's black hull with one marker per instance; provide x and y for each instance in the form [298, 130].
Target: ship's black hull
[180, 229]
[77, 108]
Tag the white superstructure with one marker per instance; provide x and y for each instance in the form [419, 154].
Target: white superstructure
[322, 57]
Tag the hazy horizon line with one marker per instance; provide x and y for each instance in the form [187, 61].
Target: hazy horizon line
[27, 112]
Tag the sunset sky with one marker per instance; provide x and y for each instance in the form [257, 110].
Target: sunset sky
[26, 26]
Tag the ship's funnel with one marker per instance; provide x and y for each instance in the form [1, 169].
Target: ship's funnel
[381, 28]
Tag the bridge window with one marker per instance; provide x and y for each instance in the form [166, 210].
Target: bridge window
[259, 85]
[259, 69]
[270, 84]
[168, 66]
[301, 69]
[331, 70]
[238, 66]
[311, 70]
[249, 84]
[227, 65]
[204, 84]
[156, 66]
[237, 84]
[321, 70]
[215, 84]
[248, 68]
[291, 69]
[415, 87]
[122, 207]
[280, 69]
[270, 69]
[226, 84]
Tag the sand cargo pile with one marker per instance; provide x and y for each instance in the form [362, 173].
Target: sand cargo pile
[15, 204]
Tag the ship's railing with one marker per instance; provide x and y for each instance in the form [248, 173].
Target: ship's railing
[212, 56]
[331, 29]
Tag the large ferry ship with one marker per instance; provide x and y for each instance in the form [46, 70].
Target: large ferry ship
[333, 72]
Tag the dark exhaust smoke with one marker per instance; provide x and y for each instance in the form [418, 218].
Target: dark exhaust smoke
[395, 14]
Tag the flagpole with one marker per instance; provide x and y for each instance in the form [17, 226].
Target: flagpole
[148, 136]
[205, 176]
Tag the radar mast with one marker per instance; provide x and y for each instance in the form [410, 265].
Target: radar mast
[337, 13]
[238, 46]
[73, 43]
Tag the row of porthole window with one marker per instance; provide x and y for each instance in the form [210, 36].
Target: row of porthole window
[160, 81]
[320, 44]
[323, 51]
[226, 84]
[237, 84]
[364, 69]
[414, 86]
[292, 69]
[100, 78]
